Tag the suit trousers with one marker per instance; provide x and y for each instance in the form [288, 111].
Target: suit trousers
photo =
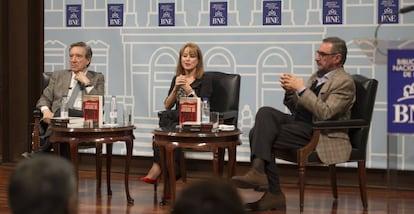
[274, 130]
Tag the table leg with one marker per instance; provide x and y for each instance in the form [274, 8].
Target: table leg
[232, 160]
[216, 160]
[98, 167]
[108, 167]
[164, 172]
[169, 150]
[74, 156]
[220, 160]
[128, 144]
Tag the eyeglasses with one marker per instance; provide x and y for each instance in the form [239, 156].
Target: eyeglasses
[323, 54]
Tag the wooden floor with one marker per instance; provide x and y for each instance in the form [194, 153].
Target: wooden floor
[318, 199]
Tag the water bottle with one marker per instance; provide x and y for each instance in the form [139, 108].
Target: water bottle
[113, 114]
[64, 108]
[205, 111]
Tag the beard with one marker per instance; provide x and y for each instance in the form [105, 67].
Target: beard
[321, 72]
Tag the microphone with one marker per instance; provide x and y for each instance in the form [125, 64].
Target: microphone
[406, 9]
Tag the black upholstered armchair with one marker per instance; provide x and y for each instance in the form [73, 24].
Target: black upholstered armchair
[225, 97]
[37, 115]
[358, 126]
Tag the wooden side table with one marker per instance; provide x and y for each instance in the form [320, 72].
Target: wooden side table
[99, 136]
[215, 142]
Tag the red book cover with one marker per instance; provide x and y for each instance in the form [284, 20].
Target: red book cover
[92, 109]
[190, 110]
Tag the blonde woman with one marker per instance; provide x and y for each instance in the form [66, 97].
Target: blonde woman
[188, 81]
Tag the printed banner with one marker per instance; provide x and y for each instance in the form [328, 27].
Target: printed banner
[74, 15]
[166, 14]
[218, 13]
[115, 15]
[332, 12]
[388, 11]
[400, 91]
[272, 12]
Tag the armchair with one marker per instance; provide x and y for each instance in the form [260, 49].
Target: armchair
[225, 100]
[37, 115]
[358, 126]
[225, 97]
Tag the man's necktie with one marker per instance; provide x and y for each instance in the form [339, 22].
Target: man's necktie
[314, 84]
[74, 95]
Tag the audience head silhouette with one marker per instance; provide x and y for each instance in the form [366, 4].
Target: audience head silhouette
[43, 184]
[209, 196]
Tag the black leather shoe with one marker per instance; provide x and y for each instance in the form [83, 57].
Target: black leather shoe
[268, 201]
[252, 179]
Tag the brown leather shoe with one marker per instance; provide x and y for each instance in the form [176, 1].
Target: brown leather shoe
[269, 201]
[252, 179]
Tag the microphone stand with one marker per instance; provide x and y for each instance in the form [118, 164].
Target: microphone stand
[376, 40]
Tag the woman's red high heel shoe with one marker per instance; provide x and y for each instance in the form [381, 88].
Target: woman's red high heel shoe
[152, 181]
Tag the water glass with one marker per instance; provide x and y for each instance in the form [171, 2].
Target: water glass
[214, 120]
[127, 116]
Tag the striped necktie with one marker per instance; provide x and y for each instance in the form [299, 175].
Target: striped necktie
[74, 95]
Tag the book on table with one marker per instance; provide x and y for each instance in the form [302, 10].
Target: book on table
[189, 112]
[68, 122]
[93, 110]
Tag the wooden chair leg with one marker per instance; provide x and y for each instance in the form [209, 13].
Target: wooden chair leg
[301, 187]
[332, 173]
[35, 134]
[363, 183]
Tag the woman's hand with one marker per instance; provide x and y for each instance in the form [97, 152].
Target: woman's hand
[180, 81]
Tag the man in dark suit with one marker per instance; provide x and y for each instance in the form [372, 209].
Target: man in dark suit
[72, 83]
[328, 95]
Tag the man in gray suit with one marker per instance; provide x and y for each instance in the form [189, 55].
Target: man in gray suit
[328, 95]
[72, 83]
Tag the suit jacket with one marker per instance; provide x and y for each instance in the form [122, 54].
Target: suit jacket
[59, 85]
[334, 102]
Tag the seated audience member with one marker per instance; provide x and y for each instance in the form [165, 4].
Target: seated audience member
[43, 184]
[212, 196]
[188, 81]
[73, 83]
[328, 95]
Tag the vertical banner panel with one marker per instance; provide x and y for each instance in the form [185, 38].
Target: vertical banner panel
[401, 91]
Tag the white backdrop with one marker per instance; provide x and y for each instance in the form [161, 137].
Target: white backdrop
[138, 59]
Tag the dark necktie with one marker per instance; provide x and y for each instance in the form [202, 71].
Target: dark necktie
[314, 84]
[74, 95]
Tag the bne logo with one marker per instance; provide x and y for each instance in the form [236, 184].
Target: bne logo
[166, 21]
[404, 113]
[272, 20]
[115, 22]
[73, 21]
[388, 18]
[218, 21]
[332, 19]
